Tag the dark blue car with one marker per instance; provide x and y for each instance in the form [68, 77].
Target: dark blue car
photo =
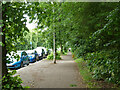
[14, 63]
[33, 56]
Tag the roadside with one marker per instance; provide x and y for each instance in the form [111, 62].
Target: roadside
[87, 76]
[45, 74]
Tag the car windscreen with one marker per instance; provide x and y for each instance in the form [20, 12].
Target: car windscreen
[24, 53]
[31, 54]
[39, 51]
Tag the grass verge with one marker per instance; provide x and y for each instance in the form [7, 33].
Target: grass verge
[84, 71]
[87, 76]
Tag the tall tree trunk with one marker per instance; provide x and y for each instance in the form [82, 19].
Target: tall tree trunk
[0, 46]
[4, 51]
[54, 42]
[54, 48]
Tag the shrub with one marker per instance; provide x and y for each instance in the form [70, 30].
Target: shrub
[104, 65]
[10, 82]
[50, 57]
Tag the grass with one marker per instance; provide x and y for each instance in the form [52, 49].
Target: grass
[64, 53]
[84, 71]
[50, 57]
[73, 85]
[87, 76]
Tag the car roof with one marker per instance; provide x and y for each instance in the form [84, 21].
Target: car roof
[30, 51]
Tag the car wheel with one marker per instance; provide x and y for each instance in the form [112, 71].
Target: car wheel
[27, 64]
[21, 64]
[40, 58]
[37, 58]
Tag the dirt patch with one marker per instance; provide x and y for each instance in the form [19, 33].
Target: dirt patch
[102, 84]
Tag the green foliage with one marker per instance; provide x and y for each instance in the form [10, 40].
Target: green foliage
[10, 82]
[81, 26]
[14, 24]
[73, 85]
[84, 71]
[64, 53]
[104, 61]
[85, 28]
[30, 36]
[97, 39]
[102, 64]
[50, 57]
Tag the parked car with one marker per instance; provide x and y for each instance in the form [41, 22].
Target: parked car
[41, 52]
[33, 56]
[36, 55]
[45, 50]
[14, 63]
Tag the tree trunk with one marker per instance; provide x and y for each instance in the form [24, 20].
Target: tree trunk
[4, 51]
[54, 48]
[0, 46]
[61, 48]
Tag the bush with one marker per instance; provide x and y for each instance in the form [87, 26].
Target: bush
[50, 57]
[101, 50]
[104, 65]
[10, 82]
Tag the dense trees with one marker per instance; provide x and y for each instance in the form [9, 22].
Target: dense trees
[90, 29]
[95, 37]
[106, 56]
[93, 34]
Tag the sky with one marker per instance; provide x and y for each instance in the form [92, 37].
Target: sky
[32, 25]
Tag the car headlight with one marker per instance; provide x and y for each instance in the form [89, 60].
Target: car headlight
[32, 56]
[14, 65]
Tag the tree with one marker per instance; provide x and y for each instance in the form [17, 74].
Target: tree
[13, 28]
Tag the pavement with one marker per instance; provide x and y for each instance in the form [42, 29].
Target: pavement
[46, 74]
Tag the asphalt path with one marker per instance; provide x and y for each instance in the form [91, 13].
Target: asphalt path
[45, 74]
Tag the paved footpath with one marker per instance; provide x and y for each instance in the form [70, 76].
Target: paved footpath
[45, 74]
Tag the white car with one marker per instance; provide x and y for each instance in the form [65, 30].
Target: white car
[41, 52]
[45, 50]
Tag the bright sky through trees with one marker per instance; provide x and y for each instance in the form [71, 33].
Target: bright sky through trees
[32, 25]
